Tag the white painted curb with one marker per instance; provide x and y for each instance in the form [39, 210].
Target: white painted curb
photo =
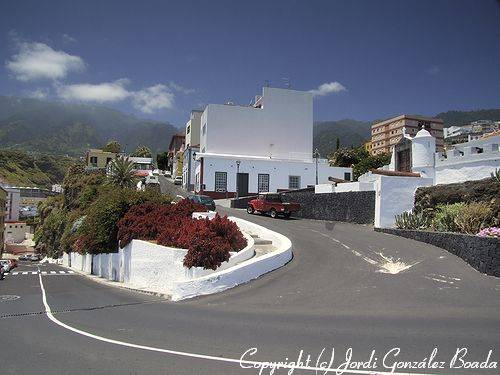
[241, 273]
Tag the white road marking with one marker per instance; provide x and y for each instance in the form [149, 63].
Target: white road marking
[44, 272]
[15, 273]
[62, 271]
[261, 364]
[34, 272]
[71, 271]
[53, 272]
[387, 264]
[25, 273]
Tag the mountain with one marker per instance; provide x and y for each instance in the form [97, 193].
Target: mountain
[350, 133]
[67, 128]
[19, 168]
[460, 118]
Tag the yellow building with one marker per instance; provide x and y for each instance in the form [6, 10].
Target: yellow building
[3, 198]
[368, 146]
[96, 158]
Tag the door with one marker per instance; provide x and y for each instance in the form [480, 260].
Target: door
[242, 183]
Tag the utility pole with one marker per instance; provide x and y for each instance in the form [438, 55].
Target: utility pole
[238, 162]
[316, 157]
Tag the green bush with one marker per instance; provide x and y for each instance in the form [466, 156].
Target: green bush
[411, 220]
[445, 217]
[473, 217]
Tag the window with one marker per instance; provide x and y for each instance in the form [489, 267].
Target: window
[294, 182]
[204, 129]
[263, 183]
[188, 129]
[221, 181]
[93, 160]
[347, 176]
[108, 160]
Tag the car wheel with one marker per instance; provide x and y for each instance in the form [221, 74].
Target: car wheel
[274, 214]
[250, 209]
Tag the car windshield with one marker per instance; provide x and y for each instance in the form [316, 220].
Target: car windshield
[206, 200]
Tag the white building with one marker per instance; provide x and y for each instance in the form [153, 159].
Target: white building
[192, 146]
[12, 203]
[267, 146]
[15, 231]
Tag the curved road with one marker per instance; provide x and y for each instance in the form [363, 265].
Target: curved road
[346, 287]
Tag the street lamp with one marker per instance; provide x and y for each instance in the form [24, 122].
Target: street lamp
[316, 156]
[238, 162]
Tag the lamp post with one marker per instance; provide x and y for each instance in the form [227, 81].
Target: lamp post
[316, 157]
[238, 162]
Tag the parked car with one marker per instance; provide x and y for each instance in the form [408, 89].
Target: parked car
[13, 263]
[272, 204]
[25, 257]
[1, 273]
[35, 257]
[5, 264]
[168, 174]
[204, 200]
[152, 179]
[178, 180]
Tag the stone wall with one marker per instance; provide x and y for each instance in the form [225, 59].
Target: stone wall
[353, 207]
[482, 253]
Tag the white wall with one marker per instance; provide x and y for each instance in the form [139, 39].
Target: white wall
[283, 128]
[278, 171]
[393, 196]
[467, 167]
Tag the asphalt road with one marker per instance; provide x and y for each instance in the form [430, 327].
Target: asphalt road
[336, 293]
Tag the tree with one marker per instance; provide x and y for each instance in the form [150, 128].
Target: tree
[112, 146]
[142, 152]
[360, 159]
[122, 172]
[337, 144]
[162, 160]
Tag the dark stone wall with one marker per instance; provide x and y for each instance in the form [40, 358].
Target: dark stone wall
[482, 253]
[352, 207]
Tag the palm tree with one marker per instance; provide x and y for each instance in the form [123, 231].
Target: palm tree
[121, 172]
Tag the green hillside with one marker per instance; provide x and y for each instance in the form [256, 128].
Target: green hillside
[66, 128]
[350, 133]
[460, 118]
[18, 168]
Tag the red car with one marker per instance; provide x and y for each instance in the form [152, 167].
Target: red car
[271, 203]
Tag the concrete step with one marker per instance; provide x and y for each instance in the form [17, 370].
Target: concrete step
[263, 250]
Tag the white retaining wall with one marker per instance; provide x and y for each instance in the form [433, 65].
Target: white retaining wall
[144, 265]
[395, 195]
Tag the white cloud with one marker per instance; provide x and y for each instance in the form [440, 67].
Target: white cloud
[328, 88]
[153, 98]
[174, 86]
[68, 39]
[39, 61]
[38, 93]
[147, 100]
[100, 93]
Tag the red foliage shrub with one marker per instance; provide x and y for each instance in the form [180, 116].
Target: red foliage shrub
[208, 241]
[145, 221]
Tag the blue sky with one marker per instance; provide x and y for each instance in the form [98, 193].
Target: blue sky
[159, 59]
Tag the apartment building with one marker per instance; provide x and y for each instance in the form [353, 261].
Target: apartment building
[263, 147]
[175, 156]
[386, 134]
[12, 203]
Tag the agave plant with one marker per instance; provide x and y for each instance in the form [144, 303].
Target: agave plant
[412, 220]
